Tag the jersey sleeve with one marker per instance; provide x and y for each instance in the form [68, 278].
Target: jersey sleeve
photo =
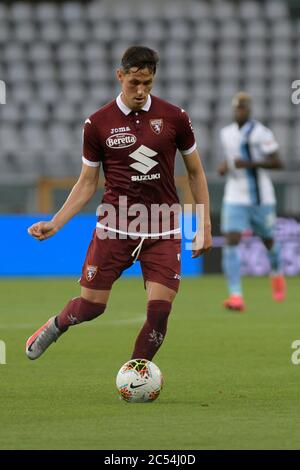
[268, 143]
[92, 150]
[185, 139]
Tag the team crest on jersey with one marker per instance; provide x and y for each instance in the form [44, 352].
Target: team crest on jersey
[156, 125]
[91, 272]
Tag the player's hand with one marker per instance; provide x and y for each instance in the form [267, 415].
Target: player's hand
[42, 230]
[222, 169]
[239, 163]
[202, 243]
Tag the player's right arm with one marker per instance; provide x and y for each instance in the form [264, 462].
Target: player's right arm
[82, 192]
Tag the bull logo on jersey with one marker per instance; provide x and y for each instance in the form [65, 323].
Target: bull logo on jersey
[156, 125]
[91, 272]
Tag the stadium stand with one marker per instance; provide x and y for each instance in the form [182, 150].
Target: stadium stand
[58, 64]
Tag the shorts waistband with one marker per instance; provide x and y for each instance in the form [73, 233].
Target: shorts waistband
[139, 234]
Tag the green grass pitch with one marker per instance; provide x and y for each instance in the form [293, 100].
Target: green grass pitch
[229, 379]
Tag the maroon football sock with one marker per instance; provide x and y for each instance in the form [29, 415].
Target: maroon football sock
[77, 311]
[154, 330]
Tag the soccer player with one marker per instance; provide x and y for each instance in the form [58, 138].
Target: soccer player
[134, 138]
[249, 200]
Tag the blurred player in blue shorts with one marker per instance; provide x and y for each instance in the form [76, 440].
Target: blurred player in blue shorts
[249, 199]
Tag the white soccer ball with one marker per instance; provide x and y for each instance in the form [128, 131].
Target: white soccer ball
[139, 381]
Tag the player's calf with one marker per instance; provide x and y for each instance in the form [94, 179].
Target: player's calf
[77, 311]
[154, 330]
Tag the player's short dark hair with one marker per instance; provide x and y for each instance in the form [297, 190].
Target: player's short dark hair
[140, 57]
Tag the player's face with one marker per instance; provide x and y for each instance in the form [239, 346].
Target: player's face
[136, 86]
[241, 113]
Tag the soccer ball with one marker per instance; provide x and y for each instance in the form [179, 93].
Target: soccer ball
[139, 381]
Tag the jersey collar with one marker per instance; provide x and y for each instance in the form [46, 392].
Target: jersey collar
[245, 125]
[127, 110]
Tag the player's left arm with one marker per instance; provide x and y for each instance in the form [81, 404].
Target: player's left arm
[199, 189]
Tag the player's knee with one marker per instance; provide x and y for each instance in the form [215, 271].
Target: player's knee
[158, 312]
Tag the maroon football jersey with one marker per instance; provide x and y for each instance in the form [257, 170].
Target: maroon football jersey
[137, 149]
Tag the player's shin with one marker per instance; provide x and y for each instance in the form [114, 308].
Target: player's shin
[77, 311]
[274, 258]
[232, 269]
[154, 330]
